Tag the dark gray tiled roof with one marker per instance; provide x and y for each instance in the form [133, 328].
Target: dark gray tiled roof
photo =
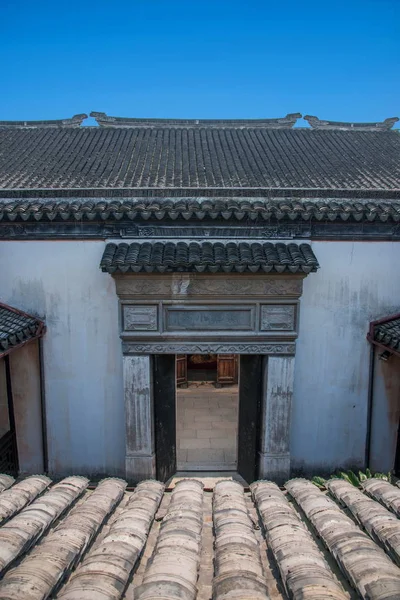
[16, 327]
[246, 159]
[388, 334]
[199, 209]
[208, 256]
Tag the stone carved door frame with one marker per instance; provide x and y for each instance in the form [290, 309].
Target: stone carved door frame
[187, 313]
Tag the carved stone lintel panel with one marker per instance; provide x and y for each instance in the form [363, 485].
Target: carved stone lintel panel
[278, 317]
[129, 286]
[253, 287]
[189, 285]
[140, 318]
[208, 348]
[209, 318]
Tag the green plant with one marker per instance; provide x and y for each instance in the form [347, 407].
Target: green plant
[352, 478]
[384, 476]
[319, 482]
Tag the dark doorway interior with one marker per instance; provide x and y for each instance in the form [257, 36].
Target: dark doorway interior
[250, 390]
[202, 367]
[8, 439]
[218, 369]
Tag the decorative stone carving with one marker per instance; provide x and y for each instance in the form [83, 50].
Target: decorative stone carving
[377, 228]
[189, 285]
[284, 231]
[278, 231]
[12, 231]
[127, 286]
[253, 287]
[207, 348]
[209, 318]
[278, 317]
[140, 318]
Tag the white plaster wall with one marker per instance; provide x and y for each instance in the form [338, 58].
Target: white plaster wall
[357, 282]
[62, 282]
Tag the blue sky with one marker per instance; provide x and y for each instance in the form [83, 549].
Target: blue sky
[200, 59]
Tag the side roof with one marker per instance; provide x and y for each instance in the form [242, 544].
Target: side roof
[385, 333]
[17, 328]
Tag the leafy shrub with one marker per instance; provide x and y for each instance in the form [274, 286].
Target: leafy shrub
[352, 478]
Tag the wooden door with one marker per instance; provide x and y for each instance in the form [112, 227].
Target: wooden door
[250, 388]
[164, 389]
[397, 455]
[227, 370]
[181, 370]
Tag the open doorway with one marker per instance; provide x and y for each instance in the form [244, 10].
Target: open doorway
[202, 427]
[207, 412]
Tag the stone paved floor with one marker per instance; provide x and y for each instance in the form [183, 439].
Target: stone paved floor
[207, 427]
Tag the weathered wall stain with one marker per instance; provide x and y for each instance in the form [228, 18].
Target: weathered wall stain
[28, 294]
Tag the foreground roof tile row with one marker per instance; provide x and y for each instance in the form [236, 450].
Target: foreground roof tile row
[139, 209]
[65, 541]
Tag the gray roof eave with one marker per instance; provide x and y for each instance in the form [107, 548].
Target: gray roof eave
[197, 193]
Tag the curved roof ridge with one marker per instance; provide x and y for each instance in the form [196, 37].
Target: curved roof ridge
[317, 123]
[105, 120]
[74, 121]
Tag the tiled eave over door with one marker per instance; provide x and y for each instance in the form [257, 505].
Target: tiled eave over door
[208, 297]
